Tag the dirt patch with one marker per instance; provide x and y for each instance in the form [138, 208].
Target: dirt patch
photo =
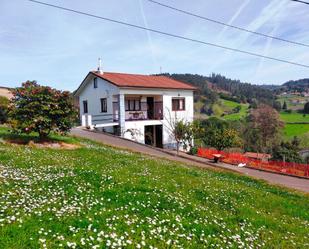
[45, 144]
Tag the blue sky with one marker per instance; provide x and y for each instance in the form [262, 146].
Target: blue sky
[58, 48]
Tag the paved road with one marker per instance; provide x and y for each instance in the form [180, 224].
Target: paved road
[287, 181]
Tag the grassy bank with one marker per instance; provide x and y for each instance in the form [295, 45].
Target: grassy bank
[97, 197]
[291, 130]
[294, 117]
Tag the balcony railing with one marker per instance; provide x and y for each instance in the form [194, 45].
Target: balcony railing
[145, 113]
[104, 118]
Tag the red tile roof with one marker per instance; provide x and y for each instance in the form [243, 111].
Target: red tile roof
[143, 81]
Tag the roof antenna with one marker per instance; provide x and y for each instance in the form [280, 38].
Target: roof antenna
[100, 71]
[160, 69]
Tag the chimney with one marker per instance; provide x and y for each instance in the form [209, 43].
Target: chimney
[100, 71]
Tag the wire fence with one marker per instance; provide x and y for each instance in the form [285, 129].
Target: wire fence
[288, 168]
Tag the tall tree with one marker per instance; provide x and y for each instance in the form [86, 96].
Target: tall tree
[267, 124]
[288, 151]
[284, 106]
[306, 108]
[277, 105]
[218, 134]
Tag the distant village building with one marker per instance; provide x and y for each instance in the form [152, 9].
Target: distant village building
[136, 107]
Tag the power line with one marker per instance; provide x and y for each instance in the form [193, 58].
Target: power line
[171, 35]
[229, 25]
[300, 1]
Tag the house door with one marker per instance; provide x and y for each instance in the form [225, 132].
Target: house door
[150, 107]
[149, 135]
[159, 136]
[154, 135]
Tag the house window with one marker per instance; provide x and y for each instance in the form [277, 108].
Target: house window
[133, 104]
[178, 104]
[85, 106]
[104, 105]
[95, 83]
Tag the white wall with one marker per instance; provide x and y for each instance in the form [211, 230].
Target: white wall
[107, 90]
[93, 96]
[170, 116]
[139, 128]
[186, 115]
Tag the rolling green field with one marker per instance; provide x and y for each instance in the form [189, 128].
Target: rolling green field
[228, 106]
[291, 130]
[294, 117]
[97, 197]
[224, 106]
[235, 116]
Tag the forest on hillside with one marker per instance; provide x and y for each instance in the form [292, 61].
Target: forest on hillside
[300, 86]
[228, 88]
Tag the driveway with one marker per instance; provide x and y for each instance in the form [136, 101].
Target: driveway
[286, 181]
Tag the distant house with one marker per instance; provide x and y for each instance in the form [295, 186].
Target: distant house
[137, 107]
[258, 156]
[6, 92]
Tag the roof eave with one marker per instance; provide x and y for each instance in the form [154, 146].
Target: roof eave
[165, 88]
[77, 91]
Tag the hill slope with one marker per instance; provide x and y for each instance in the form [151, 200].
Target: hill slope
[302, 83]
[98, 197]
[243, 92]
[5, 92]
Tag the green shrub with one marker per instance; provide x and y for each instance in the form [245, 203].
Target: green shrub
[4, 102]
[41, 109]
[193, 150]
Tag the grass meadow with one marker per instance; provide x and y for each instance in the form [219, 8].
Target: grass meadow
[101, 197]
[291, 130]
[294, 117]
[231, 105]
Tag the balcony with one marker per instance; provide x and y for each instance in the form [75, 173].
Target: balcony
[140, 108]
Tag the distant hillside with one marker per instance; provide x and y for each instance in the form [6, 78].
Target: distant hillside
[297, 85]
[237, 90]
[301, 85]
[5, 92]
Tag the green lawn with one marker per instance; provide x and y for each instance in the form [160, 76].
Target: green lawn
[294, 117]
[97, 197]
[224, 106]
[291, 130]
[229, 103]
[236, 116]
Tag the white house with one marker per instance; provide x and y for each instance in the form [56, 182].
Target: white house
[137, 107]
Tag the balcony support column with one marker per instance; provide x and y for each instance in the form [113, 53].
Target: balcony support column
[122, 113]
